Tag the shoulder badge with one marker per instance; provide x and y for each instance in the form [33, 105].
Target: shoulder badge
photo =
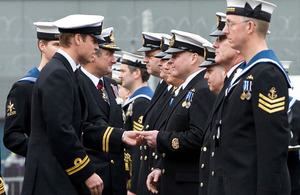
[271, 104]
[11, 108]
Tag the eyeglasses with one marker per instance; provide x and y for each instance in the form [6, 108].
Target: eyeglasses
[231, 24]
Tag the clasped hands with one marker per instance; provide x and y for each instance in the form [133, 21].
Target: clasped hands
[134, 138]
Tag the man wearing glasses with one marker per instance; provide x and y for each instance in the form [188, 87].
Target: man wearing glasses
[229, 59]
[253, 132]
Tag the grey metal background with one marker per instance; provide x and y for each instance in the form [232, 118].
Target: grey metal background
[18, 45]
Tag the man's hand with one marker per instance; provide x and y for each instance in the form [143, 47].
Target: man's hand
[95, 184]
[150, 137]
[132, 138]
[130, 193]
[153, 180]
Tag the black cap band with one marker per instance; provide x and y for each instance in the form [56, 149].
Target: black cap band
[188, 47]
[137, 64]
[47, 36]
[249, 12]
[86, 30]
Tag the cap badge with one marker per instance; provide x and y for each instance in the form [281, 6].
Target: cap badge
[172, 40]
[218, 21]
[112, 37]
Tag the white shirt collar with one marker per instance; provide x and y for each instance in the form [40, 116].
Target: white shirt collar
[93, 78]
[232, 69]
[70, 60]
[186, 82]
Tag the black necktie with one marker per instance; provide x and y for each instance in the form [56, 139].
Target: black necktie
[101, 88]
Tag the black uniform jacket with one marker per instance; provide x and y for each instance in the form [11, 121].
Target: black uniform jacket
[254, 135]
[17, 119]
[56, 160]
[134, 116]
[103, 142]
[205, 171]
[180, 140]
[293, 156]
[151, 120]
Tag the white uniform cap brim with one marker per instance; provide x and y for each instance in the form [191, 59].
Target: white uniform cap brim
[131, 57]
[266, 6]
[153, 36]
[107, 31]
[79, 21]
[190, 38]
[46, 27]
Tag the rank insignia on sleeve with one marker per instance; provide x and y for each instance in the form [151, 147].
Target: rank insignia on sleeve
[11, 108]
[175, 143]
[271, 104]
[78, 165]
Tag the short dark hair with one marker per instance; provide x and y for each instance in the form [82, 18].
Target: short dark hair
[144, 74]
[64, 39]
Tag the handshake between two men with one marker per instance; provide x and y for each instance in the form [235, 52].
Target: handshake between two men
[135, 138]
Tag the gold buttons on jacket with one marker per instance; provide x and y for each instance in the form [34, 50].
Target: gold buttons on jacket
[153, 153]
[147, 126]
[156, 157]
[201, 185]
[212, 173]
[212, 154]
[141, 147]
[204, 149]
[112, 161]
[202, 166]
[145, 158]
[141, 158]
[214, 137]
[163, 171]
[163, 155]
[145, 147]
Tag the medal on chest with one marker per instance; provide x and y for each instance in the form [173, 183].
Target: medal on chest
[247, 88]
[188, 99]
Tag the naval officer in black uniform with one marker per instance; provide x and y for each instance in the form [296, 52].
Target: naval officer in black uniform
[179, 140]
[229, 59]
[253, 130]
[134, 77]
[151, 47]
[104, 145]
[56, 161]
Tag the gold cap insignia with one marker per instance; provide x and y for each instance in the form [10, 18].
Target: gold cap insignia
[112, 37]
[218, 21]
[172, 40]
[175, 143]
[144, 40]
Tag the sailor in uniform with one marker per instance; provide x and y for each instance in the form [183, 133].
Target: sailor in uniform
[252, 128]
[134, 77]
